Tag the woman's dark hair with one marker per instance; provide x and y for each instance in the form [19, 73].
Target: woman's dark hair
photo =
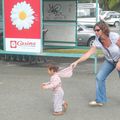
[103, 26]
[53, 67]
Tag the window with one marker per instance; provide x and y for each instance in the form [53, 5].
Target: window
[86, 12]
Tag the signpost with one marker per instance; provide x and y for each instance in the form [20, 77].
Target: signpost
[22, 26]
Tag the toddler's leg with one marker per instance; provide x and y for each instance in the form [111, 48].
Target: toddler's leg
[58, 102]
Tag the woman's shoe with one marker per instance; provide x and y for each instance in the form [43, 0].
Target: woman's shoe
[94, 103]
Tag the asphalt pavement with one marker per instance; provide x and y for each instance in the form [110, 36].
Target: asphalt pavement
[22, 99]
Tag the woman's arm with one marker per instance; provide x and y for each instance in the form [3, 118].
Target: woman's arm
[118, 42]
[118, 65]
[85, 56]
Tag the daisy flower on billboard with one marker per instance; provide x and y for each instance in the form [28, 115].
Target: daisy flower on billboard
[22, 15]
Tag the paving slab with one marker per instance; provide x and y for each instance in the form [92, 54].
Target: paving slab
[22, 99]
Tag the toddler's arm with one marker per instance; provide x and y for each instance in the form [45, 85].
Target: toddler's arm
[43, 85]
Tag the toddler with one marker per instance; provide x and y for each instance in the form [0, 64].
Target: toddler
[60, 105]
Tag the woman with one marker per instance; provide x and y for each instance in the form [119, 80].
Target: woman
[109, 42]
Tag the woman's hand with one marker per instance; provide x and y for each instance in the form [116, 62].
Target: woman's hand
[74, 64]
[118, 65]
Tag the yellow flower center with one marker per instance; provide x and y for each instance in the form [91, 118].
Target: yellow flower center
[22, 15]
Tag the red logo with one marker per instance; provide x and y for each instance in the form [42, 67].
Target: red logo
[13, 44]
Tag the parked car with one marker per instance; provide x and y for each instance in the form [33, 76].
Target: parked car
[105, 14]
[85, 35]
[113, 20]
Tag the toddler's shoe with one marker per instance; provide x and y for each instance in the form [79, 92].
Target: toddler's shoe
[65, 106]
[58, 113]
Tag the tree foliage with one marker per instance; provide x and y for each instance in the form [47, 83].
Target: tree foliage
[105, 4]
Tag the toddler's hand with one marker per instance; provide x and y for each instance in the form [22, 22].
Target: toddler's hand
[42, 86]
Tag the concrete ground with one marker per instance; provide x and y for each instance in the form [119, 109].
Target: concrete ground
[22, 99]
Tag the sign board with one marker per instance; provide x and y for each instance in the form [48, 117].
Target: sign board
[22, 20]
[59, 10]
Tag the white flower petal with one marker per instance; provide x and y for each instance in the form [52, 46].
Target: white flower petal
[24, 23]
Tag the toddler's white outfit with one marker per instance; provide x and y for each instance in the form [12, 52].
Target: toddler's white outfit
[55, 85]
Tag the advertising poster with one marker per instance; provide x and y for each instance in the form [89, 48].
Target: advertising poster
[22, 20]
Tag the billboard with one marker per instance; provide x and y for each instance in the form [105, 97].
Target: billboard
[22, 23]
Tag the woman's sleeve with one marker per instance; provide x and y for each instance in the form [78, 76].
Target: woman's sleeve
[114, 37]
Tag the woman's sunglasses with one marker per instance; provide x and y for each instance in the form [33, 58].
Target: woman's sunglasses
[97, 30]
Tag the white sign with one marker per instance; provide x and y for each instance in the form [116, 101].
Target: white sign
[60, 10]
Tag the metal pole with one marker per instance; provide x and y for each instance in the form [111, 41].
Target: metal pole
[97, 11]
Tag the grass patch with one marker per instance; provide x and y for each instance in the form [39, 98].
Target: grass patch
[75, 51]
